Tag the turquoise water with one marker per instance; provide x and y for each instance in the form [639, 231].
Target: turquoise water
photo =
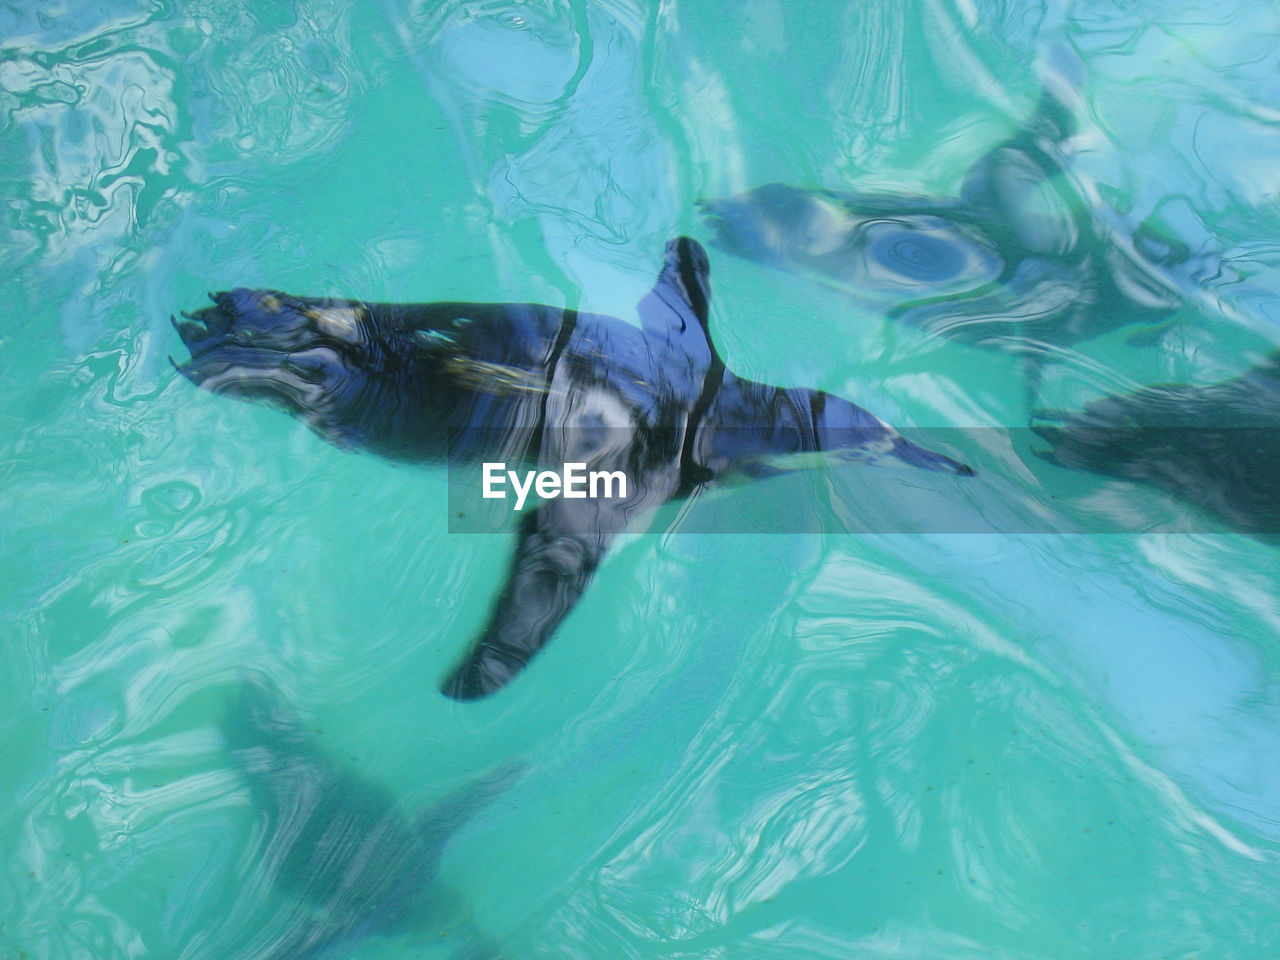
[769, 746]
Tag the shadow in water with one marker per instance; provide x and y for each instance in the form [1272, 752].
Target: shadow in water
[340, 850]
[1215, 446]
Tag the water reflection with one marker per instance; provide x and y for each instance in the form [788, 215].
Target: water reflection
[794, 747]
[340, 849]
[1018, 255]
[1217, 447]
[118, 118]
[921, 753]
[549, 106]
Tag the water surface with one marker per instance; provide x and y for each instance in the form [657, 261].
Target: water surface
[749, 746]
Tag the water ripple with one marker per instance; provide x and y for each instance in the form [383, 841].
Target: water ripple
[776, 747]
